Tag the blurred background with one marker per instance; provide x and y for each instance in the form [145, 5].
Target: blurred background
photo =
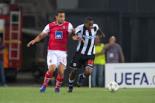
[131, 21]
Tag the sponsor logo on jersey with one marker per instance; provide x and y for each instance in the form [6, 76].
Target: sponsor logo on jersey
[58, 35]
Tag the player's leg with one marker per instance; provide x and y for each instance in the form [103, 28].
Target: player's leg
[71, 79]
[51, 61]
[62, 62]
[48, 76]
[88, 70]
[60, 77]
[73, 67]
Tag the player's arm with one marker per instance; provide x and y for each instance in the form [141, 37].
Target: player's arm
[100, 33]
[77, 34]
[36, 39]
[76, 38]
[74, 35]
[42, 35]
[72, 32]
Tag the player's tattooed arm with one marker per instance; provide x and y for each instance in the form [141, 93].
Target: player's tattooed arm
[37, 39]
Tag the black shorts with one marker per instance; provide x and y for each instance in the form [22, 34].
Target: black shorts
[80, 60]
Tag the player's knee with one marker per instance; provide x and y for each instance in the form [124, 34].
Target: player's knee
[72, 74]
[88, 70]
[61, 66]
[61, 73]
[87, 73]
[61, 69]
[52, 68]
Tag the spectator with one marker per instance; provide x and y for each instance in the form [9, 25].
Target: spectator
[113, 51]
[99, 62]
[2, 76]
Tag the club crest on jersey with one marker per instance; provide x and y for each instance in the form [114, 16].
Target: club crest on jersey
[58, 35]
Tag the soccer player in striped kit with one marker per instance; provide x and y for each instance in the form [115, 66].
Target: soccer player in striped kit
[84, 56]
[58, 31]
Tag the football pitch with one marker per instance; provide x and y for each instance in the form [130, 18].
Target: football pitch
[80, 95]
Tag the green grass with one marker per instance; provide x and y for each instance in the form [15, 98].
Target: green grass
[80, 95]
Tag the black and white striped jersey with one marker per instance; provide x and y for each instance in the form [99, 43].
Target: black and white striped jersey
[87, 47]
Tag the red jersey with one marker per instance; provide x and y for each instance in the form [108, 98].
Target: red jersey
[58, 35]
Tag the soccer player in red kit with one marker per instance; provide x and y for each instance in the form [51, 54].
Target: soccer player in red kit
[58, 32]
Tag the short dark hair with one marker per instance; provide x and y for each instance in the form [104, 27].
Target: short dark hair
[89, 18]
[59, 11]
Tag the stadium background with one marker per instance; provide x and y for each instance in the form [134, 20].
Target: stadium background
[131, 21]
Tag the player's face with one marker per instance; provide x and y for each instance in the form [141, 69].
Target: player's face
[89, 24]
[60, 18]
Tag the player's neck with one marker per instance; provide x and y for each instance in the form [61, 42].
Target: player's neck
[58, 23]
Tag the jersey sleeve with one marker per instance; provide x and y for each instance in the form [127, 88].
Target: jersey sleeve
[78, 30]
[96, 27]
[46, 30]
[98, 31]
[70, 28]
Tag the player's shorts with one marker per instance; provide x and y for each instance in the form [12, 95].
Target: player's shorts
[80, 61]
[55, 57]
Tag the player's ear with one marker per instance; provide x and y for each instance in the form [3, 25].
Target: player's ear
[56, 17]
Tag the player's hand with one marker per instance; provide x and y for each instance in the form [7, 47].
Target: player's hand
[76, 37]
[32, 42]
